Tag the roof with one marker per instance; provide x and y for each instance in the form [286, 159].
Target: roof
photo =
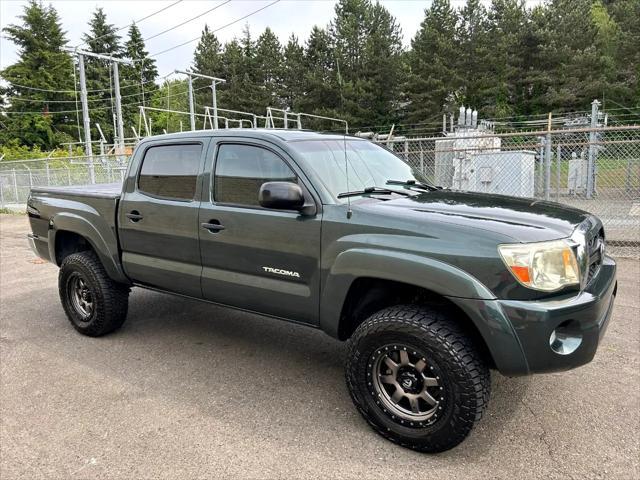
[281, 134]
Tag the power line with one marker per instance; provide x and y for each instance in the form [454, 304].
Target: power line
[88, 91]
[132, 23]
[214, 31]
[187, 21]
[137, 104]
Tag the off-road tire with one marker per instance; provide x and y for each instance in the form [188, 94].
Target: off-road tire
[463, 376]
[109, 298]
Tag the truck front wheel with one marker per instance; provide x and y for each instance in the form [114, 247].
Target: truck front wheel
[416, 377]
[93, 302]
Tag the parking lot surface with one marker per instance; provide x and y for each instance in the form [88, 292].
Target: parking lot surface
[190, 390]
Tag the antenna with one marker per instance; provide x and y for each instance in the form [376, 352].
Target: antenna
[346, 171]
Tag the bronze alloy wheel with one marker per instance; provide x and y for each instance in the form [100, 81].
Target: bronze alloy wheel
[407, 386]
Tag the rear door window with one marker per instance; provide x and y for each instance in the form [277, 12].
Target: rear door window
[170, 171]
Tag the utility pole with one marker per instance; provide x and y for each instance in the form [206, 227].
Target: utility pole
[85, 107]
[214, 81]
[83, 89]
[116, 87]
[591, 162]
[192, 113]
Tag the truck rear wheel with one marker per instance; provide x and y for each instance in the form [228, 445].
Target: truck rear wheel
[417, 378]
[94, 304]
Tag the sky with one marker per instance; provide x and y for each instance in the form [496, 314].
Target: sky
[284, 18]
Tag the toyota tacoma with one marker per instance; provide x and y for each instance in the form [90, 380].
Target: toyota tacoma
[432, 288]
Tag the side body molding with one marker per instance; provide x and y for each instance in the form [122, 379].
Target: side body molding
[97, 232]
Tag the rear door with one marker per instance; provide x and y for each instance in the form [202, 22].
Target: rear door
[258, 259]
[158, 216]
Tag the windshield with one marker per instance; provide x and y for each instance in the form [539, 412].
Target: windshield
[369, 165]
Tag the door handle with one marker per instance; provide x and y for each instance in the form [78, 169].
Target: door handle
[134, 216]
[213, 226]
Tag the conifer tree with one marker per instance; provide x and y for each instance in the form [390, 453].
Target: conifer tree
[102, 38]
[36, 79]
[139, 77]
[433, 82]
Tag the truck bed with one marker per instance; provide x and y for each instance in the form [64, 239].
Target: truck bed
[89, 210]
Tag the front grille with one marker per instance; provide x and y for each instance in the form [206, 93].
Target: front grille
[595, 251]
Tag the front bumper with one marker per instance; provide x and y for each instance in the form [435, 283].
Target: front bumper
[587, 314]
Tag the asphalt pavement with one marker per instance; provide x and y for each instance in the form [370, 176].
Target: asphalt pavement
[190, 390]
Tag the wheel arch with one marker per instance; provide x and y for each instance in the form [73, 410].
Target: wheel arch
[72, 233]
[363, 281]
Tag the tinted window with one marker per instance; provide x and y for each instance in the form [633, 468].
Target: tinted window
[170, 171]
[242, 169]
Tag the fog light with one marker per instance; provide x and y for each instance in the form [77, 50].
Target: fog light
[566, 338]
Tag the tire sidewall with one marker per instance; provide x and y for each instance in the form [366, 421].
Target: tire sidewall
[456, 417]
[74, 264]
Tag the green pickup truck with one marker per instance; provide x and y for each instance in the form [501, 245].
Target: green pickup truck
[432, 288]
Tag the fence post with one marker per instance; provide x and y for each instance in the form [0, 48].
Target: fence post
[92, 173]
[558, 161]
[406, 150]
[592, 150]
[539, 188]
[68, 174]
[15, 185]
[48, 173]
[547, 163]
[1, 192]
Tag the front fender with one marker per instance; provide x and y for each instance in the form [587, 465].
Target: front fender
[101, 237]
[428, 273]
[476, 300]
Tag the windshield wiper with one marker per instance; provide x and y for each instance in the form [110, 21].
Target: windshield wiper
[413, 183]
[372, 190]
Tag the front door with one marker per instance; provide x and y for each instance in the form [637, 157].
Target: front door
[255, 258]
[158, 217]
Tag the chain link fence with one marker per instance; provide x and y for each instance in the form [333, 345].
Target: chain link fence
[18, 177]
[593, 169]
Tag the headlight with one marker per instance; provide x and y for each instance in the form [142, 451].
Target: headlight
[546, 266]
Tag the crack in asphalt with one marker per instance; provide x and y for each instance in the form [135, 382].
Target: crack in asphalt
[543, 439]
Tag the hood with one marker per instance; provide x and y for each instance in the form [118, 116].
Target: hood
[522, 219]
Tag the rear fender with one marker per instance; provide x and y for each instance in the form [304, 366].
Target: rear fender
[102, 238]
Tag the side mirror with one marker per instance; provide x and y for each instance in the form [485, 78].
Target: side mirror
[281, 196]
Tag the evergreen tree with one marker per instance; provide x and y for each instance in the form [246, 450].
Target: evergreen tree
[476, 57]
[506, 31]
[293, 75]
[171, 95]
[368, 53]
[139, 77]
[433, 82]
[207, 60]
[43, 65]
[268, 67]
[102, 38]
[322, 91]
[383, 70]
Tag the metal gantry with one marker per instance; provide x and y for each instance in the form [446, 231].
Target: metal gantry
[214, 102]
[86, 121]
